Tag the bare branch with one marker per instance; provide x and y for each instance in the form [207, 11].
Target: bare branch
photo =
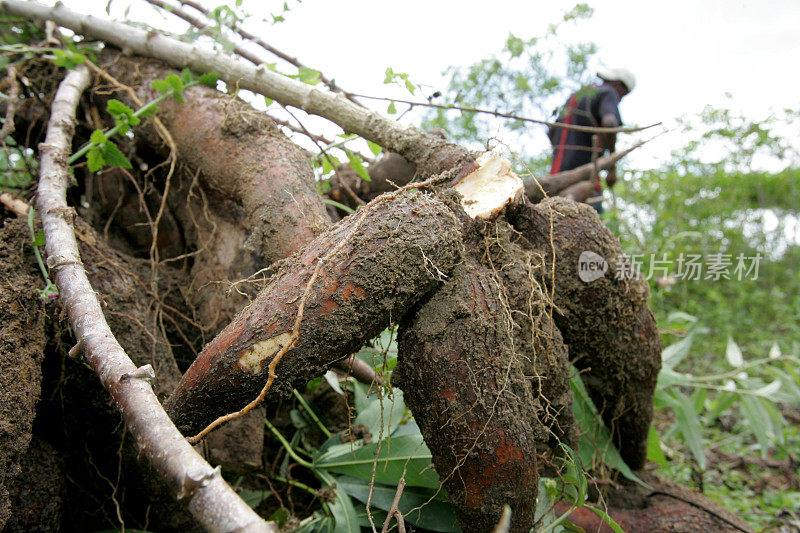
[246, 35]
[210, 500]
[589, 129]
[431, 154]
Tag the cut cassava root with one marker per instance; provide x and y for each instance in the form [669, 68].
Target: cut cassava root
[393, 257]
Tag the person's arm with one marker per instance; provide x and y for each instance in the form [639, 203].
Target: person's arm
[609, 142]
[609, 118]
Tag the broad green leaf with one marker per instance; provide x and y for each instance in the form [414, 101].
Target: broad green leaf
[675, 353]
[94, 159]
[654, 451]
[374, 148]
[38, 240]
[253, 497]
[388, 411]
[758, 420]
[268, 101]
[114, 157]
[722, 403]
[391, 109]
[395, 454]
[358, 165]
[175, 82]
[438, 515]
[607, 519]
[97, 137]
[734, 354]
[342, 507]
[329, 163]
[161, 86]
[596, 437]
[308, 75]
[187, 75]
[116, 108]
[688, 424]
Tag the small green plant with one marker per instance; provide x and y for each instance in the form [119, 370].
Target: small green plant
[100, 151]
[50, 290]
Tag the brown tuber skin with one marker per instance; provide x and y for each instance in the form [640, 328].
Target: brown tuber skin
[606, 323]
[464, 382]
[400, 252]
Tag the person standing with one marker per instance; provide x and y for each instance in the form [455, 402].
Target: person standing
[597, 106]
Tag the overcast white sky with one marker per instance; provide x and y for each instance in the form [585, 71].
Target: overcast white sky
[685, 53]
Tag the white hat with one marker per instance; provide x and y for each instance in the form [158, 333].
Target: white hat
[619, 74]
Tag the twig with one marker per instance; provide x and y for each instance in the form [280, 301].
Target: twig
[589, 129]
[339, 178]
[14, 204]
[394, 510]
[244, 34]
[311, 99]
[210, 500]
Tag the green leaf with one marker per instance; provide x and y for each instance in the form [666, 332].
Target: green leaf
[94, 159]
[688, 423]
[117, 109]
[329, 163]
[97, 137]
[148, 111]
[596, 437]
[358, 165]
[391, 109]
[253, 497]
[175, 82]
[607, 519]
[161, 86]
[654, 451]
[374, 148]
[114, 157]
[342, 507]
[395, 454]
[382, 417]
[187, 75]
[308, 75]
[209, 79]
[68, 59]
[38, 240]
[268, 101]
[673, 354]
[437, 515]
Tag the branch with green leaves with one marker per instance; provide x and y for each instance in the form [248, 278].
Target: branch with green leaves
[100, 151]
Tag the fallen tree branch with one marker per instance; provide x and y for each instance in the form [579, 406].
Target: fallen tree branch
[551, 185]
[208, 497]
[431, 154]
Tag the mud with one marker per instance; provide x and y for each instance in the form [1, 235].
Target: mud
[606, 323]
[663, 506]
[37, 495]
[22, 340]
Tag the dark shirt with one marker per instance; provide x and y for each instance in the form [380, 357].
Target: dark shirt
[587, 107]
